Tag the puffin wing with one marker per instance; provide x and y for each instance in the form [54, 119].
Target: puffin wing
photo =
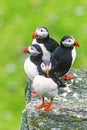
[61, 61]
[51, 44]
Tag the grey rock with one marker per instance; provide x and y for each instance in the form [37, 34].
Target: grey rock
[69, 110]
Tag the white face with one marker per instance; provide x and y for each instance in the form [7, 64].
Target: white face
[33, 51]
[41, 32]
[68, 42]
[44, 67]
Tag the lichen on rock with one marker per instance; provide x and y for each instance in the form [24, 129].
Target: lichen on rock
[69, 107]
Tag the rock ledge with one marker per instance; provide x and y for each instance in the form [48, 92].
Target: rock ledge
[69, 107]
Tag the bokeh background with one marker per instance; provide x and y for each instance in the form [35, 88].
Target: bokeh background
[18, 20]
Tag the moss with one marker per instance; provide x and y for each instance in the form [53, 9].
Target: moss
[75, 119]
[43, 115]
[34, 123]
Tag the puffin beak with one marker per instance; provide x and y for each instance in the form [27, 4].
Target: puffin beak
[47, 72]
[26, 50]
[77, 44]
[34, 35]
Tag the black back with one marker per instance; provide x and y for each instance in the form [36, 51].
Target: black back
[61, 61]
[49, 43]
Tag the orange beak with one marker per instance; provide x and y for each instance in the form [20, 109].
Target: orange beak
[34, 35]
[47, 72]
[77, 44]
[26, 50]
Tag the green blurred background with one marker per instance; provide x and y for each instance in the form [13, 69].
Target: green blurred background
[18, 20]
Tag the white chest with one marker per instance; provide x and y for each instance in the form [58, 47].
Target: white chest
[73, 54]
[46, 53]
[30, 69]
[45, 86]
[34, 42]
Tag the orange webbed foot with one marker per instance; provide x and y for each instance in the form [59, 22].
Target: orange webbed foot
[48, 107]
[40, 106]
[69, 77]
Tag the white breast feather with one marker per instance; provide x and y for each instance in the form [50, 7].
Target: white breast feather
[30, 69]
[73, 54]
[45, 86]
[34, 42]
[46, 53]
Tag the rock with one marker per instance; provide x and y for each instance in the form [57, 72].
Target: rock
[69, 110]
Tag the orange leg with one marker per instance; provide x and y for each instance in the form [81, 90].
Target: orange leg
[48, 107]
[41, 105]
[69, 77]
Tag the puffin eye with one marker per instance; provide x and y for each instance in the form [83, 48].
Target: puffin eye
[42, 65]
[69, 40]
[31, 48]
[41, 30]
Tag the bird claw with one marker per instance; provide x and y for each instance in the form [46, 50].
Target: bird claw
[40, 106]
[48, 107]
[69, 77]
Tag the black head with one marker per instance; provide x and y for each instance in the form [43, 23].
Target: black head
[68, 41]
[41, 33]
[33, 50]
[46, 67]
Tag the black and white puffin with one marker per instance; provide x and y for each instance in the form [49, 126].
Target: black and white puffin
[31, 63]
[48, 45]
[45, 86]
[63, 57]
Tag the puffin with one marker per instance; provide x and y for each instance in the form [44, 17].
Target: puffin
[31, 63]
[45, 86]
[63, 57]
[42, 38]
